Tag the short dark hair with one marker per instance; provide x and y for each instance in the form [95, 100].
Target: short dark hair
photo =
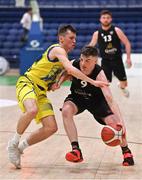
[29, 9]
[64, 28]
[89, 51]
[103, 12]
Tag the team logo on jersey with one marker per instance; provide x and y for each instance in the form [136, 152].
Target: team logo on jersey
[111, 32]
[110, 50]
[53, 74]
[102, 34]
[109, 46]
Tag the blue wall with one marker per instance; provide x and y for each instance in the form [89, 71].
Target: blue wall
[84, 19]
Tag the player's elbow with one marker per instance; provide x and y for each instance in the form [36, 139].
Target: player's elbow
[129, 44]
[69, 70]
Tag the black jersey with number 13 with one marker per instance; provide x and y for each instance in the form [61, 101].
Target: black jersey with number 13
[109, 43]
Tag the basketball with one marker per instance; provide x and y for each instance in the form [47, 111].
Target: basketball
[4, 65]
[111, 137]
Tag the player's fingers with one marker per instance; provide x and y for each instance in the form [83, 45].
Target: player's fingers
[105, 84]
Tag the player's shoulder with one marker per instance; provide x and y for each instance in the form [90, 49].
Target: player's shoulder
[117, 29]
[52, 50]
[75, 63]
[98, 67]
[97, 70]
[55, 48]
[95, 34]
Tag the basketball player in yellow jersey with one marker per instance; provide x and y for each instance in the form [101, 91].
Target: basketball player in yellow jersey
[31, 92]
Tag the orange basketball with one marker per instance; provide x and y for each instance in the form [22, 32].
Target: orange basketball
[110, 136]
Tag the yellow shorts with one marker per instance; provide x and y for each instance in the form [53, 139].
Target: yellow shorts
[26, 89]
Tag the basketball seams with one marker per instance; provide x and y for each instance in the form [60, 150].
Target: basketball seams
[110, 136]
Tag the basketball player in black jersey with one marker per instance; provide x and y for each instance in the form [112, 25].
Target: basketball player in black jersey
[109, 40]
[98, 101]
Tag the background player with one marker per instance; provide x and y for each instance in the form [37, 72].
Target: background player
[109, 40]
[98, 101]
[31, 92]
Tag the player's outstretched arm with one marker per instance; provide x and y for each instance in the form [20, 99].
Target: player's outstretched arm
[126, 43]
[106, 90]
[62, 78]
[61, 54]
[109, 98]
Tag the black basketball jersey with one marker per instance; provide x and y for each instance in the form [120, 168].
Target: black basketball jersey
[84, 90]
[109, 43]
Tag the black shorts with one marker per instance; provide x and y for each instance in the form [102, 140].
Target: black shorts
[99, 110]
[115, 66]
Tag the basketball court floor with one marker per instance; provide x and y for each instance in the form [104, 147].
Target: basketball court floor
[46, 159]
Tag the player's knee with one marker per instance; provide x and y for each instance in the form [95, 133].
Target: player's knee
[54, 129]
[66, 112]
[50, 129]
[32, 112]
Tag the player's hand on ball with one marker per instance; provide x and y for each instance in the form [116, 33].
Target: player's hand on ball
[119, 126]
[101, 84]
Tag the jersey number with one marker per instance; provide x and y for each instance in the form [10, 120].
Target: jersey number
[107, 38]
[83, 83]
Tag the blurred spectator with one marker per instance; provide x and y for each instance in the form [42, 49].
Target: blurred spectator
[26, 22]
[20, 3]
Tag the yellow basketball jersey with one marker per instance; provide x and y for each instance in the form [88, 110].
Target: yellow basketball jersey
[45, 71]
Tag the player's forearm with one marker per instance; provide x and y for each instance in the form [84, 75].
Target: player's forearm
[94, 39]
[115, 109]
[109, 100]
[92, 43]
[112, 104]
[78, 74]
[128, 50]
[62, 79]
[118, 113]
